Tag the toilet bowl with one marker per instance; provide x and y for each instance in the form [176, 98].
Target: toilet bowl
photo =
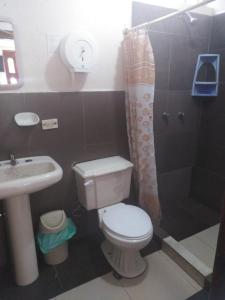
[102, 184]
[127, 229]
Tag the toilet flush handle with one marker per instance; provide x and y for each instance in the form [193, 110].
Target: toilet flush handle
[88, 182]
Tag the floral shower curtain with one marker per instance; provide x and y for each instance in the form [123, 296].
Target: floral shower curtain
[140, 76]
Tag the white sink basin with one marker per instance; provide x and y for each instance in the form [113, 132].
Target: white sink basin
[29, 175]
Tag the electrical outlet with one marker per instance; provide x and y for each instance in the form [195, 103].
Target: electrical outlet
[49, 124]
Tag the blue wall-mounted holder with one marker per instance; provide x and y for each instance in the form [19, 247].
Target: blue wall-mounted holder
[209, 88]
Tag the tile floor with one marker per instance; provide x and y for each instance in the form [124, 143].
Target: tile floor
[164, 280]
[202, 295]
[86, 262]
[203, 245]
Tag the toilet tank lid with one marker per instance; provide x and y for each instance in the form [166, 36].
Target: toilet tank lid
[102, 166]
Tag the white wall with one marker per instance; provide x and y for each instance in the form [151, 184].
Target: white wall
[43, 71]
[178, 4]
[219, 6]
[41, 20]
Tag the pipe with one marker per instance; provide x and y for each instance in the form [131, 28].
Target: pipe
[176, 13]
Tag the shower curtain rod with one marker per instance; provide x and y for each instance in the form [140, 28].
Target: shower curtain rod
[176, 13]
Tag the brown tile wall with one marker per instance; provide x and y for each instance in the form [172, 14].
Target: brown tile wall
[176, 44]
[209, 176]
[91, 125]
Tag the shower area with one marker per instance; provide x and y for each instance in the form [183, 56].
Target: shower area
[189, 131]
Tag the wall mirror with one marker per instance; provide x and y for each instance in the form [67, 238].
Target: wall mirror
[10, 76]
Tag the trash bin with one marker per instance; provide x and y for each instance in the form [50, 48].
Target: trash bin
[54, 231]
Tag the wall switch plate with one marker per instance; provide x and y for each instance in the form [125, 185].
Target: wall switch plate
[49, 124]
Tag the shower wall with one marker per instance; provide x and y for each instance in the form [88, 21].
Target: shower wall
[208, 184]
[176, 44]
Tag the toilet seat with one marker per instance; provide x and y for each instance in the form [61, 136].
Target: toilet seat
[128, 222]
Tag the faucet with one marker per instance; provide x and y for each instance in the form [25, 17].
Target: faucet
[13, 161]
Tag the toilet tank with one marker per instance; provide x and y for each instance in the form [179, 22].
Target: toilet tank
[103, 182]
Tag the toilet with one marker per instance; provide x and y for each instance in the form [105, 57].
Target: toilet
[102, 184]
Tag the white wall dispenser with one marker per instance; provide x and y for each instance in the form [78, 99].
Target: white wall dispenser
[78, 52]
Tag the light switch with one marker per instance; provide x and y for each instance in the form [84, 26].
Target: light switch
[49, 124]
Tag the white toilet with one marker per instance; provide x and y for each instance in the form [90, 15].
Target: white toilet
[102, 184]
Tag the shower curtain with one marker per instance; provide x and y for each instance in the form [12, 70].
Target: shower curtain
[139, 70]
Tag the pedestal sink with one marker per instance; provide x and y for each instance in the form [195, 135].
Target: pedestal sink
[29, 175]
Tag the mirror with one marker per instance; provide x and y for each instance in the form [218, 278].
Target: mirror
[9, 71]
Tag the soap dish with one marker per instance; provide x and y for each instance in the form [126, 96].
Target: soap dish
[26, 119]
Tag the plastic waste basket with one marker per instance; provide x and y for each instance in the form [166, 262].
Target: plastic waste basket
[54, 231]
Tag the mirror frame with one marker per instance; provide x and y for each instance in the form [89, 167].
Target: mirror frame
[18, 58]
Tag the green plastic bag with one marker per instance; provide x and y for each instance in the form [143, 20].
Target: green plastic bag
[49, 241]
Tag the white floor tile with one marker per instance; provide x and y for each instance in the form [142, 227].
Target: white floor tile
[164, 280]
[209, 236]
[102, 288]
[200, 249]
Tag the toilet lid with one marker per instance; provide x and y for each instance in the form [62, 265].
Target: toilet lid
[128, 221]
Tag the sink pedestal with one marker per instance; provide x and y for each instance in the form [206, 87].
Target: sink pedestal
[22, 241]
[29, 175]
